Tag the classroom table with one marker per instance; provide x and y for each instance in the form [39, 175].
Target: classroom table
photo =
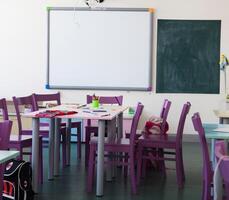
[223, 115]
[5, 156]
[216, 132]
[83, 112]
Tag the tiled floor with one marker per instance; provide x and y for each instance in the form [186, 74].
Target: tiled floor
[70, 185]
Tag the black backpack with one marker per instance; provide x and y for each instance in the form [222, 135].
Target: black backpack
[17, 182]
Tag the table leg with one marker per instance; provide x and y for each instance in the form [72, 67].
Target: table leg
[35, 153]
[100, 162]
[213, 153]
[68, 142]
[51, 148]
[57, 147]
[111, 136]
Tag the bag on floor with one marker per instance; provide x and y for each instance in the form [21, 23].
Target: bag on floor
[17, 182]
[153, 125]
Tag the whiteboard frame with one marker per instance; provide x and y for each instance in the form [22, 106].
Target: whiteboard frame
[149, 88]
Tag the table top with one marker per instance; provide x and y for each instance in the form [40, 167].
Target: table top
[104, 112]
[221, 113]
[216, 131]
[7, 155]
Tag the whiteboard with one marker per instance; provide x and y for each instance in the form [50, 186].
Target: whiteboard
[100, 48]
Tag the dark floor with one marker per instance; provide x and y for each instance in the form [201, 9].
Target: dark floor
[70, 185]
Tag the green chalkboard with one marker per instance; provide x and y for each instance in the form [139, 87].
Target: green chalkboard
[188, 53]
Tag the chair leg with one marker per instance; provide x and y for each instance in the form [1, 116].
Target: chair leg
[139, 163]
[179, 171]
[64, 140]
[143, 168]
[87, 146]
[126, 167]
[91, 165]
[162, 162]
[203, 190]
[207, 190]
[132, 174]
[182, 165]
[79, 141]
[21, 153]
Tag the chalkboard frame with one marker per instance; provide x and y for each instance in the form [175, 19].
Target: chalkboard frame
[169, 74]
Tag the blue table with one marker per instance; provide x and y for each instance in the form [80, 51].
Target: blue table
[216, 132]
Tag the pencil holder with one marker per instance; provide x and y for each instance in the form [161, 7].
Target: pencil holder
[95, 103]
[131, 110]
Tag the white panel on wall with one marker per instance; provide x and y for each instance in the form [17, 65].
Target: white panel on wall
[100, 49]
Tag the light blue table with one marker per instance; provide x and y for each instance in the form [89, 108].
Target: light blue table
[213, 135]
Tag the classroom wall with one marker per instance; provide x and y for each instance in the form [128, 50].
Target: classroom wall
[23, 50]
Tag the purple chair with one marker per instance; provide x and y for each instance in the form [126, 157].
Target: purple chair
[21, 141]
[89, 129]
[207, 173]
[5, 130]
[39, 98]
[223, 159]
[123, 145]
[148, 144]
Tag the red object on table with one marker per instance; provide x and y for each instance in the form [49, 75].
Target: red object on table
[53, 113]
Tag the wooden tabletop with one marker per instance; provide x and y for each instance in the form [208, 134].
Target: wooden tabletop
[104, 112]
[221, 113]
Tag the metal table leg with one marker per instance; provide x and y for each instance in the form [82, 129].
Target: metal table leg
[51, 148]
[213, 153]
[100, 165]
[35, 153]
[68, 142]
[57, 147]
[111, 136]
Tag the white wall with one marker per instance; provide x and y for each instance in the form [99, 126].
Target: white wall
[23, 42]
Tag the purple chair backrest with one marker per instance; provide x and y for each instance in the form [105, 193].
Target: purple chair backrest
[164, 114]
[3, 107]
[220, 149]
[180, 128]
[22, 101]
[45, 97]
[203, 142]
[107, 100]
[5, 130]
[134, 124]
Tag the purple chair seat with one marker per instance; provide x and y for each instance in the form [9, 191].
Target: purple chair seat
[158, 140]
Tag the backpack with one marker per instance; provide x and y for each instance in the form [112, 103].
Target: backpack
[17, 182]
[154, 125]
